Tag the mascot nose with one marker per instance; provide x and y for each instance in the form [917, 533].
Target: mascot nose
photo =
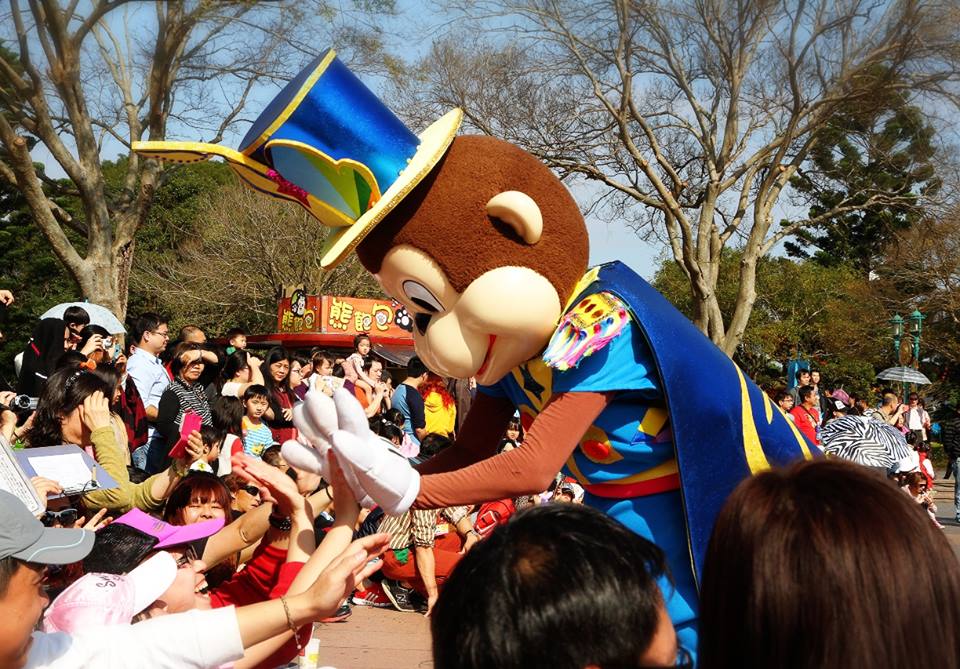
[423, 322]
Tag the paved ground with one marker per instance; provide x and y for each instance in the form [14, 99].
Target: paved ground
[377, 639]
[383, 639]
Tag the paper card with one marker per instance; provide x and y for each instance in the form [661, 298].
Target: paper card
[15, 481]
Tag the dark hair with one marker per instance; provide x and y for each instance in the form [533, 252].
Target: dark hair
[145, 322]
[803, 392]
[368, 362]
[211, 436]
[256, 390]
[825, 563]
[782, 395]
[434, 443]
[557, 586]
[274, 355]
[65, 391]
[88, 331]
[235, 332]
[41, 354]
[110, 376]
[318, 356]
[176, 364]
[272, 456]
[359, 338]
[8, 567]
[72, 359]
[383, 427]
[801, 372]
[235, 363]
[201, 486]
[394, 416]
[118, 548]
[227, 414]
[415, 367]
[76, 315]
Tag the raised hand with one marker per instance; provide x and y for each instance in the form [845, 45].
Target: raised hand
[275, 486]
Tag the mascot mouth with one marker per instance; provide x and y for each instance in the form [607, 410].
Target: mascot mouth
[486, 358]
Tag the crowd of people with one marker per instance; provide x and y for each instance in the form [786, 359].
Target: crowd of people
[211, 538]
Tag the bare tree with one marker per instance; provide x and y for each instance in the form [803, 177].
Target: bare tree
[694, 114]
[86, 78]
[247, 249]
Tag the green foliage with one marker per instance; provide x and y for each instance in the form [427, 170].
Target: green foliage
[880, 152]
[826, 314]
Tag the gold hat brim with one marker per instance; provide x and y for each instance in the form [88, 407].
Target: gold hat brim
[434, 142]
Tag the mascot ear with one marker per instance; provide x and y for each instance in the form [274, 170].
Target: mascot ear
[520, 212]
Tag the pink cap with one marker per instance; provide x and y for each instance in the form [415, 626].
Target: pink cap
[169, 535]
[95, 600]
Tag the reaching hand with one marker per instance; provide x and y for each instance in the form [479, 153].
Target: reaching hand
[95, 411]
[98, 520]
[44, 488]
[6, 297]
[275, 486]
[287, 413]
[93, 344]
[195, 448]
[346, 572]
[344, 502]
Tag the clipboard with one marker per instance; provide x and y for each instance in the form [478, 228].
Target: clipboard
[15, 481]
[103, 480]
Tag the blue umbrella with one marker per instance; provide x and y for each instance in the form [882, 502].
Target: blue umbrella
[98, 315]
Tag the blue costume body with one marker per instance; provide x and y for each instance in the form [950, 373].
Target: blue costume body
[683, 427]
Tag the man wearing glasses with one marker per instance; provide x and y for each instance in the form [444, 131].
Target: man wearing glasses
[150, 333]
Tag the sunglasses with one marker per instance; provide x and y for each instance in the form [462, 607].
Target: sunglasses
[251, 490]
[64, 517]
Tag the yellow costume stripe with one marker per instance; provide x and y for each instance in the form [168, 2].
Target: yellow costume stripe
[653, 421]
[664, 469]
[756, 458]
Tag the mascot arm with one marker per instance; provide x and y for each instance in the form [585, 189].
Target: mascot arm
[478, 438]
[522, 471]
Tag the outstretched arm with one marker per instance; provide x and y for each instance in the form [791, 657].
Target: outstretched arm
[479, 437]
[525, 470]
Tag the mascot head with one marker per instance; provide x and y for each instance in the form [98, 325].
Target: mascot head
[476, 238]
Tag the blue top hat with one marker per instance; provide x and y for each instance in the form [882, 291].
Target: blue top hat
[329, 144]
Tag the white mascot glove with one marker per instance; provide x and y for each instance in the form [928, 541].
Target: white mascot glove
[371, 467]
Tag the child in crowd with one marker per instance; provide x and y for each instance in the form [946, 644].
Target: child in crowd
[511, 437]
[353, 365]
[257, 437]
[236, 340]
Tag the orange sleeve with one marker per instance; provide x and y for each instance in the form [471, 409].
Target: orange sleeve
[522, 471]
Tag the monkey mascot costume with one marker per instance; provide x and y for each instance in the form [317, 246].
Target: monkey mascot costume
[487, 250]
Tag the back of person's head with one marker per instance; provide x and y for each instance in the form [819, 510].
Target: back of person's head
[117, 549]
[211, 436]
[76, 315]
[148, 321]
[255, 390]
[192, 333]
[890, 399]
[72, 359]
[273, 457]
[415, 367]
[235, 363]
[394, 416]
[66, 389]
[227, 414]
[386, 429]
[90, 330]
[434, 443]
[557, 586]
[826, 564]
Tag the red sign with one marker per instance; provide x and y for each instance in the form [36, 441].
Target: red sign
[349, 316]
[353, 315]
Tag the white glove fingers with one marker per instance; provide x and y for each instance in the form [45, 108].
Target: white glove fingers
[350, 414]
[320, 413]
[305, 457]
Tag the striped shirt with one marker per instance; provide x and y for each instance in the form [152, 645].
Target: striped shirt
[418, 528]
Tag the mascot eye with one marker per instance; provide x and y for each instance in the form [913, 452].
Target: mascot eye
[421, 297]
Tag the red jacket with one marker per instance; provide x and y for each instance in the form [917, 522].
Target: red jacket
[807, 421]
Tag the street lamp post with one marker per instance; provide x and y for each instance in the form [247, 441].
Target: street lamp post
[916, 328]
[896, 329]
